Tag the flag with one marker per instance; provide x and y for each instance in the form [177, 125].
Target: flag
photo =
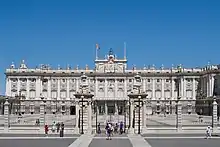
[97, 46]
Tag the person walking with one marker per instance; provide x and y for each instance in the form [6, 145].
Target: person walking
[46, 129]
[54, 127]
[121, 127]
[99, 129]
[208, 132]
[62, 130]
[58, 127]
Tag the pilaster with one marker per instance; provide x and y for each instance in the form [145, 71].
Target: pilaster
[38, 91]
[172, 88]
[131, 129]
[116, 88]
[194, 88]
[162, 89]
[153, 89]
[49, 88]
[68, 89]
[18, 86]
[28, 89]
[58, 88]
[96, 88]
[106, 88]
[125, 88]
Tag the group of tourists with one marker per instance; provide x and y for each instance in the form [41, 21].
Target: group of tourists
[111, 129]
[56, 127]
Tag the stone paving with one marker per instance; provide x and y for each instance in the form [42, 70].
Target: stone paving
[124, 140]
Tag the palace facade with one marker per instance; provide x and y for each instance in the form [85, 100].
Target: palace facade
[110, 82]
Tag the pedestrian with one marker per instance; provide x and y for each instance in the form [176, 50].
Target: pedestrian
[54, 127]
[62, 130]
[58, 127]
[208, 132]
[121, 127]
[99, 129]
[46, 129]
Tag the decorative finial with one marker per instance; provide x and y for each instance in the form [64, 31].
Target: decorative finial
[162, 66]
[153, 66]
[134, 67]
[77, 67]
[12, 65]
[23, 65]
[87, 67]
[68, 67]
[58, 67]
[145, 67]
[172, 66]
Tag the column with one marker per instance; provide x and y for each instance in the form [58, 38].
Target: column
[42, 114]
[172, 88]
[106, 88]
[184, 88]
[68, 88]
[89, 117]
[116, 88]
[181, 87]
[212, 85]
[125, 88]
[58, 88]
[49, 88]
[153, 89]
[215, 115]
[194, 89]
[76, 130]
[28, 88]
[38, 92]
[179, 116]
[162, 89]
[131, 129]
[77, 84]
[144, 85]
[6, 115]
[106, 108]
[18, 85]
[96, 88]
[8, 87]
[208, 85]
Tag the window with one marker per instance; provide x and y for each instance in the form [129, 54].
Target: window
[130, 80]
[63, 80]
[167, 80]
[148, 80]
[158, 80]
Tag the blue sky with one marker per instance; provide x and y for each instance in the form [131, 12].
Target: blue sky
[65, 32]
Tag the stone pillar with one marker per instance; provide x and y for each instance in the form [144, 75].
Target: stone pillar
[68, 88]
[179, 116]
[89, 117]
[131, 129]
[106, 88]
[144, 110]
[6, 115]
[58, 89]
[42, 114]
[215, 115]
[76, 130]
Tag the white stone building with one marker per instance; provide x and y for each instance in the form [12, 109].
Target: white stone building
[110, 82]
